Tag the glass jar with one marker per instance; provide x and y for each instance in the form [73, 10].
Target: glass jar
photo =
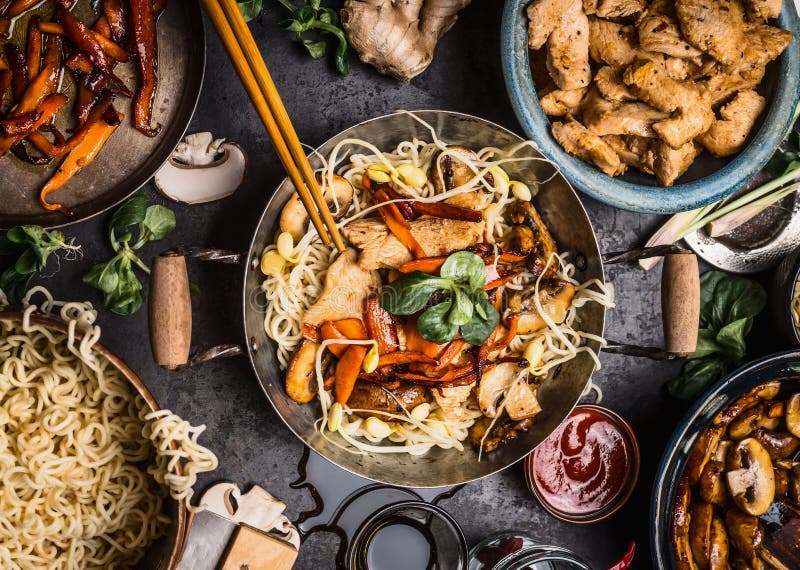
[512, 550]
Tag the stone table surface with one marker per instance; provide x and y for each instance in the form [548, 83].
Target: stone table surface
[253, 444]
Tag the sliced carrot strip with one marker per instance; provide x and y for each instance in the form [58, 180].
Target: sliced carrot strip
[424, 264]
[347, 371]
[381, 326]
[405, 357]
[352, 328]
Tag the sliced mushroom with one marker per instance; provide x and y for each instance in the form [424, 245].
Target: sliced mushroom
[743, 424]
[750, 477]
[781, 482]
[496, 380]
[202, 169]
[684, 559]
[712, 483]
[521, 402]
[700, 533]
[555, 297]
[745, 533]
[721, 453]
[768, 557]
[448, 171]
[702, 452]
[793, 415]
[338, 197]
[300, 382]
[718, 556]
[540, 246]
[754, 396]
[779, 445]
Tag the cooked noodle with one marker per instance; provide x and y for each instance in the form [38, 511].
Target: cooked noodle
[300, 283]
[76, 448]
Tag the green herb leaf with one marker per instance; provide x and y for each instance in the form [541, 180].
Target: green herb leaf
[731, 338]
[434, 326]
[158, 223]
[465, 267]
[122, 290]
[478, 329]
[321, 22]
[315, 49]
[14, 284]
[130, 213]
[697, 376]
[250, 9]
[706, 344]
[410, 293]
[462, 310]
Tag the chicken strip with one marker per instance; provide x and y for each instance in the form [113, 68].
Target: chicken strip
[437, 236]
[610, 85]
[568, 50]
[583, 143]
[721, 82]
[661, 34]
[691, 113]
[603, 117]
[612, 43]
[633, 151]
[346, 288]
[716, 27]
[450, 399]
[613, 8]
[543, 17]
[765, 43]
[558, 102]
[763, 10]
[670, 163]
[729, 133]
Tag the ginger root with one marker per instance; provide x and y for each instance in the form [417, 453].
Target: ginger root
[398, 37]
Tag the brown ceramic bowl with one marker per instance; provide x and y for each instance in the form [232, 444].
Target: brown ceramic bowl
[166, 552]
[631, 475]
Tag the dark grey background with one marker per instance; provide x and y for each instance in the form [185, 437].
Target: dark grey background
[253, 445]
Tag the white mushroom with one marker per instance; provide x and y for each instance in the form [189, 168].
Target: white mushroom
[202, 169]
[294, 218]
[751, 479]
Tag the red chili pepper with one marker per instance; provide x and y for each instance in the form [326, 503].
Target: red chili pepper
[625, 561]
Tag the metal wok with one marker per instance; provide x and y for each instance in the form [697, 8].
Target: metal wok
[558, 204]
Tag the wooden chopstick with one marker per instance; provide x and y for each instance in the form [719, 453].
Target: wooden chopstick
[252, 71]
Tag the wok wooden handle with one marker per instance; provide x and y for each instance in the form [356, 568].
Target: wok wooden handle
[680, 302]
[257, 551]
[170, 312]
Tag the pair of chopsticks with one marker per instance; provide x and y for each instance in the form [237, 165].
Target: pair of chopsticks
[253, 72]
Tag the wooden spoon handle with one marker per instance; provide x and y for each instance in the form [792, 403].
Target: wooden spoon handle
[170, 312]
[680, 302]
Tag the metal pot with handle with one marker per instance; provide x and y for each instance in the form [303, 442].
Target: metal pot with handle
[170, 306]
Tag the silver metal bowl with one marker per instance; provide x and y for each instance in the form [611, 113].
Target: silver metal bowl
[566, 218]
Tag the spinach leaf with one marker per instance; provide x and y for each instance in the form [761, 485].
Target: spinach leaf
[478, 329]
[250, 9]
[728, 306]
[434, 324]
[30, 248]
[116, 278]
[410, 293]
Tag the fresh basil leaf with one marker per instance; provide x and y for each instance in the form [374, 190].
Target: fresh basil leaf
[706, 344]
[708, 283]
[410, 293]
[250, 9]
[465, 267]
[697, 376]
[461, 313]
[434, 326]
[315, 49]
[130, 213]
[158, 223]
[478, 329]
[731, 338]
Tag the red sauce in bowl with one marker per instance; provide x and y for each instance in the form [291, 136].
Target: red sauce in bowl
[585, 465]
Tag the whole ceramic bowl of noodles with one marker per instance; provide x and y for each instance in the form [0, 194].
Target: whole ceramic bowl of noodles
[486, 176]
[57, 390]
[709, 178]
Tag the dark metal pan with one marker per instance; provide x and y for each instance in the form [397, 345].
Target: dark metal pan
[170, 308]
[129, 159]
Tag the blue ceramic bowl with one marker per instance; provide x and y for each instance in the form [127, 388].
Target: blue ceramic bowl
[708, 180]
[785, 366]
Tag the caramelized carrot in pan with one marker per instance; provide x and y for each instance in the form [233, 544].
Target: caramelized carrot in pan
[19, 70]
[442, 210]
[105, 45]
[17, 7]
[48, 107]
[84, 40]
[46, 82]
[381, 326]
[398, 225]
[347, 371]
[352, 328]
[5, 82]
[405, 357]
[81, 156]
[330, 332]
[114, 13]
[19, 124]
[143, 36]
[424, 264]
[311, 333]
[62, 147]
[33, 53]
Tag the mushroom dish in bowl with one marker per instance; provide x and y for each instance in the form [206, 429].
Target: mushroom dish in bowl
[727, 493]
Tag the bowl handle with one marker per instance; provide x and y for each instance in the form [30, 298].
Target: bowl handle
[170, 309]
